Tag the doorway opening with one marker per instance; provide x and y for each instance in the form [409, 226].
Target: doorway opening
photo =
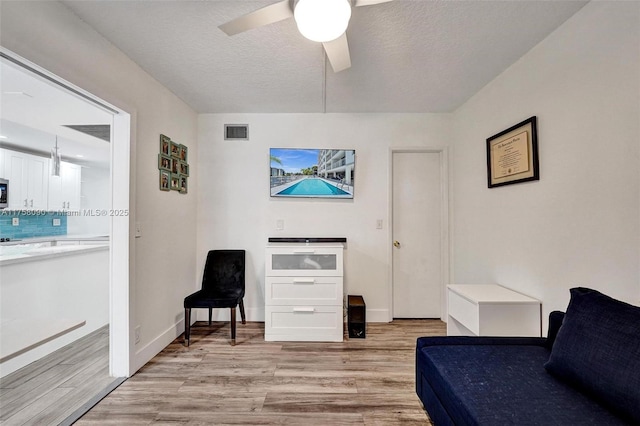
[82, 206]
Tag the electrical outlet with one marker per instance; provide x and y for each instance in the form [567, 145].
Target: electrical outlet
[56, 222]
[379, 224]
[15, 221]
[136, 334]
[279, 224]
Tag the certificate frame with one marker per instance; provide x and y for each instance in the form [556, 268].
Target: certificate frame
[512, 155]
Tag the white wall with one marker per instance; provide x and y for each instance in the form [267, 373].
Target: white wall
[163, 259]
[95, 196]
[236, 211]
[580, 224]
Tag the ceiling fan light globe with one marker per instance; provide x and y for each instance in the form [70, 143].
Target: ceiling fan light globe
[322, 20]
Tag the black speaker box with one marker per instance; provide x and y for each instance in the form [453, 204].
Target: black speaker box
[356, 317]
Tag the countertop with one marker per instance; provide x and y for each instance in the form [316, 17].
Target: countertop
[56, 238]
[36, 249]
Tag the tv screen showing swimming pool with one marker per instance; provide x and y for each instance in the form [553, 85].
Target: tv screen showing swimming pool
[316, 173]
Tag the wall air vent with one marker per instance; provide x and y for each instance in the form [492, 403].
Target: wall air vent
[236, 132]
[100, 131]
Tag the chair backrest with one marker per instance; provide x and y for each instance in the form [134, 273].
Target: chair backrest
[224, 273]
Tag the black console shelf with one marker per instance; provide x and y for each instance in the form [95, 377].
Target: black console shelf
[307, 240]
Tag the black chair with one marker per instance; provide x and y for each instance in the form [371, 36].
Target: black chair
[222, 287]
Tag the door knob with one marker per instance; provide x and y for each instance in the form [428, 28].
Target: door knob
[396, 244]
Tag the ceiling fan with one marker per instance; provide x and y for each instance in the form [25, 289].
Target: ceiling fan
[323, 21]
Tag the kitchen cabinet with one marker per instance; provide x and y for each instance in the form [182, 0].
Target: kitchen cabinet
[62, 285]
[28, 179]
[64, 190]
[304, 293]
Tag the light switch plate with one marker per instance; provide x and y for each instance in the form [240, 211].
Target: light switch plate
[15, 221]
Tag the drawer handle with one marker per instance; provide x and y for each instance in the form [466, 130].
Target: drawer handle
[306, 309]
[304, 251]
[304, 281]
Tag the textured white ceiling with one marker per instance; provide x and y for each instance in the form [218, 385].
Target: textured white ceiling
[407, 55]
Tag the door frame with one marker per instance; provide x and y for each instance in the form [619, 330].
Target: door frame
[444, 221]
[120, 272]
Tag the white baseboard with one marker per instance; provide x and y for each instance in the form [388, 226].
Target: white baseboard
[378, 315]
[153, 348]
[257, 314]
[253, 314]
[383, 315]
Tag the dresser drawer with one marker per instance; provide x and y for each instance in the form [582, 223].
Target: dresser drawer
[303, 291]
[304, 323]
[304, 261]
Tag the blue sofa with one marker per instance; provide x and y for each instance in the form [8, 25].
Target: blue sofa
[585, 372]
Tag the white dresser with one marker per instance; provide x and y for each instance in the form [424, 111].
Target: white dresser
[304, 292]
[491, 310]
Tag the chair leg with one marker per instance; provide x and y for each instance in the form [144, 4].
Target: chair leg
[244, 320]
[210, 316]
[187, 325]
[233, 326]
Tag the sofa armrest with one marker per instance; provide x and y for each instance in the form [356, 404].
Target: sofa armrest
[475, 340]
[555, 321]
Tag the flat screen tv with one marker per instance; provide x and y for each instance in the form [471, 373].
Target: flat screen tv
[312, 173]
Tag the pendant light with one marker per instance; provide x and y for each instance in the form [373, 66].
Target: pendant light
[55, 160]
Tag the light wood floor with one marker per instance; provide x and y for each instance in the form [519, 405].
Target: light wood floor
[360, 381]
[47, 391]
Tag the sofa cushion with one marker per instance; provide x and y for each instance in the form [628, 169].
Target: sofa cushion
[499, 384]
[597, 350]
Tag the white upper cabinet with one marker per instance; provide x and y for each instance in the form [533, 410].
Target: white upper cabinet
[33, 188]
[28, 178]
[64, 190]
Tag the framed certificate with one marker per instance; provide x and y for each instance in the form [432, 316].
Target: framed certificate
[512, 155]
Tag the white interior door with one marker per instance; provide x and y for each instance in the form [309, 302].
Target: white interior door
[417, 240]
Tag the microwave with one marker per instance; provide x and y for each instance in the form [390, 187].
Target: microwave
[4, 193]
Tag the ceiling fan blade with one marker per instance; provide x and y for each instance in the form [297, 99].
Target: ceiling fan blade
[338, 53]
[369, 2]
[267, 15]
